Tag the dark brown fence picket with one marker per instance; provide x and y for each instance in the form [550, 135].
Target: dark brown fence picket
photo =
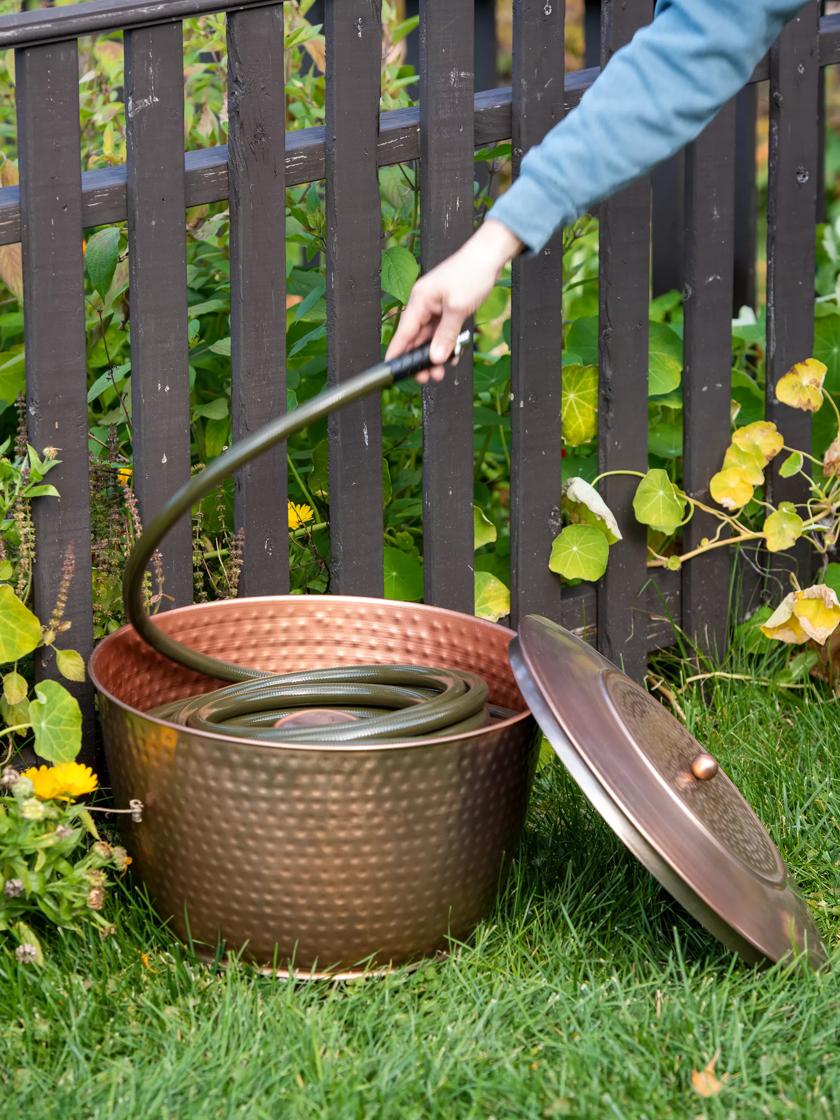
[536, 325]
[56, 363]
[157, 262]
[354, 37]
[710, 221]
[791, 214]
[446, 220]
[623, 413]
[256, 101]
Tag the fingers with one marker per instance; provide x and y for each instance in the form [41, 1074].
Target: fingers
[413, 325]
[446, 335]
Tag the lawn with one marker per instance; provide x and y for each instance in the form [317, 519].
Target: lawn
[588, 993]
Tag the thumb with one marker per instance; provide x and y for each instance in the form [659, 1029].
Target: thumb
[446, 335]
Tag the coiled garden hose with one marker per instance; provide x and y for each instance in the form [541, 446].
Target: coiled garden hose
[352, 704]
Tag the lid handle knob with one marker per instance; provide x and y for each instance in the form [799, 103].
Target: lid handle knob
[704, 766]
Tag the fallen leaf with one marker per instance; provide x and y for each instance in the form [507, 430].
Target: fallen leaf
[705, 1082]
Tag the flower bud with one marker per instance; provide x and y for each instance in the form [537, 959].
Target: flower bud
[102, 849]
[26, 953]
[9, 777]
[33, 810]
[12, 888]
[96, 898]
[22, 788]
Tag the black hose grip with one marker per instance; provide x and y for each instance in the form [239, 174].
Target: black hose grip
[415, 361]
[411, 362]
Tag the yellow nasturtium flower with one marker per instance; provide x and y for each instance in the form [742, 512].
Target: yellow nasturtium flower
[813, 613]
[762, 436]
[801, 386]
[731, 489]
[64, 782]
[299, 515]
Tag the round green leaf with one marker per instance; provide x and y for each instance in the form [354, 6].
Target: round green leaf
[15, 688]
[484, 531]
[831, 578]
[101, 255]
[658, 502]
[57, 722]
[783, 528]
[403, 576]
[492, 597]
[71, 665]
[580, 404]
[580, 552]
[664, 359]
[20, 630]
[792, 465]
[399, 271]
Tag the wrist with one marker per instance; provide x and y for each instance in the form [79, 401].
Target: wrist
[497, 242]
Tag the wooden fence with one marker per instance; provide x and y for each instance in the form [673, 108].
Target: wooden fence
[56, 203]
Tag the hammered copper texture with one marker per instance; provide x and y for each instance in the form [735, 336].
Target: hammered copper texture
[320, 857]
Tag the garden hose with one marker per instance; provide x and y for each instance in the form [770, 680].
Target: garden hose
[351, 704]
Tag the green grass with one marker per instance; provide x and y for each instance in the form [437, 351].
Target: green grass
[588, 993]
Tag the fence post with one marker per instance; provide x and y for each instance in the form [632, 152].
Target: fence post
[54, 335]
[791, 215]
[256, 172]
[536, 325]
[157, 262]
[354, 35]
[623, 409]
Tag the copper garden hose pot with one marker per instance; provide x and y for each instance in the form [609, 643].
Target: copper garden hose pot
[324, 857]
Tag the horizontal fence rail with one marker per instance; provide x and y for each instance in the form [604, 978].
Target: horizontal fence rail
[627, 613]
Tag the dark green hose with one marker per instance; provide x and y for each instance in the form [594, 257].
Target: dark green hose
[376, 702]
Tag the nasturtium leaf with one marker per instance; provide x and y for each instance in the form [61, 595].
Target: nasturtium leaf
[15, 688]
[71, 664]
[580, 552]
[399, 271]
[56, 721]
[579, 411]
[20, 630]
[791, 465]
[801, 386]
[403, 576]
[492, 597]
[731, 489]
[783, 528]
[762, 435]
[831, 577]
[6, 569]
[103, 249]
[665, 437]
[583, 505]
[484, 531]
[658, 502]
[747, 460]
[831, 459]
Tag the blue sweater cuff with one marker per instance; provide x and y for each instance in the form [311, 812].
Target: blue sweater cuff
[530, 212]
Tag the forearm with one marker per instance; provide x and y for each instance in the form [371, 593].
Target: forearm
[655, 95]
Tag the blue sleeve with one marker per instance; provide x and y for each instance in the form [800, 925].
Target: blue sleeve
[655, 95]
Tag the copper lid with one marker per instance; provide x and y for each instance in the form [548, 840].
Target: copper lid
[663, 794]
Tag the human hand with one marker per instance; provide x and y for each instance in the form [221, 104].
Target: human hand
[448, 294]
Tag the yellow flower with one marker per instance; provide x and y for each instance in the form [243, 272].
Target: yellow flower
[64, 782]
[813, 613]
[299, 515]
[763, 435]
[801, 386]
[124, 475]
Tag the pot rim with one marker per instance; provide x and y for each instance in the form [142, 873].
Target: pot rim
[343, 748]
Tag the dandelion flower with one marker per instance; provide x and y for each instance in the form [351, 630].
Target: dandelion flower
[299, 515]
[65, 782]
